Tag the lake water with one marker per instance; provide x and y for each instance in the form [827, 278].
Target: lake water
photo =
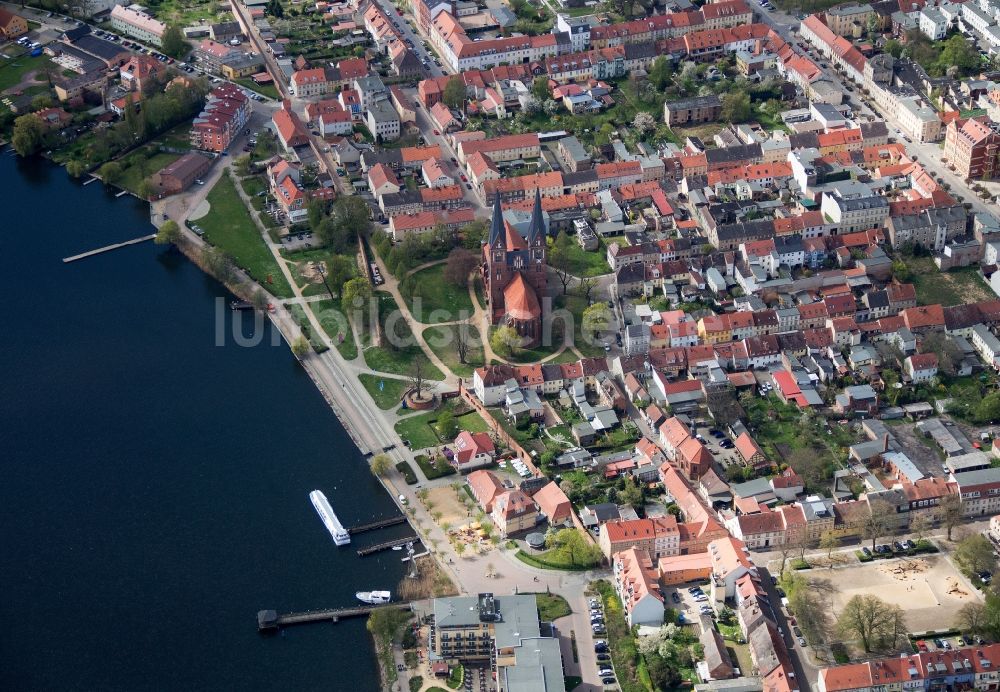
[155, 485]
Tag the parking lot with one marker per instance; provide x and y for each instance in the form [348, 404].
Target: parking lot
[691, 601]
[605, 668]
[719, 444]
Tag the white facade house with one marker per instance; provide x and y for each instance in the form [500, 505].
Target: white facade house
[138, 25]
[933, 23]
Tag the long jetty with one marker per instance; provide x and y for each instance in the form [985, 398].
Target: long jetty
[109, 248]
[379, 524]
[372, 549]
[270, 620]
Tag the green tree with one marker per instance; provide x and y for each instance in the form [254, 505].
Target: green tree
[505, 341]
[540, 88]
[575, 546]
[168, 234]
[219, 263]
[76, 168]
[275, 8]
[975, 554]
[893, 48]
[447, 426]
[173, 43]
[474, 233]
[631, 494]
[454, 93]
[339, 270]
[736, 107]
[315, 213]
[661, 72]
[349, 218]
[356, 294]
[29, 131]
[900, 272]
[110, 172]
[596, 318]
[988, 408]
[380, 465]
[300, 346]
[961, 53]
[146, 189]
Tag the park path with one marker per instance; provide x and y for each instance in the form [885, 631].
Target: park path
[391, 284]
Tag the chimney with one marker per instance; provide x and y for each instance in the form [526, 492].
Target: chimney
[885, 443]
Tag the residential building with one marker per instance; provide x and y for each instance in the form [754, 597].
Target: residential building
[693, 111]
[505, 629]
[471, 451]
[225, 114]
[973, 668]
[972, 146]
[138, 25]
[382, 120]
[513, 512]
[636, 581]
[12, 25]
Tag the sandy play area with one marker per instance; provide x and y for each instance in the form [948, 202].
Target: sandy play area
[928, 588]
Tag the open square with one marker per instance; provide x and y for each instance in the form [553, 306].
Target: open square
[928, 588]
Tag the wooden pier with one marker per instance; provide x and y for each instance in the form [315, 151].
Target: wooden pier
[109, 248]
[270, 620]
[372, 549]
[379, 524]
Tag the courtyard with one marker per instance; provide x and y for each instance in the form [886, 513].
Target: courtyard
[928, 588]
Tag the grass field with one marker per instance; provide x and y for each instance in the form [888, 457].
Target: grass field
[335, 324]
[552, 606]
[398, 361]
[141, 169]
[955, 287]
[418, 431]
[443, 342]
[432, 300]
[391, 393]
[13, 71]
[267, 90]
[587, 264]
[229, 226]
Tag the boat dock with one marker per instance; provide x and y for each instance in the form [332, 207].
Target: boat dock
[379, 524]
[372, 549]
[122, 193]
[91, 179]
[270, 620]
[109, 248]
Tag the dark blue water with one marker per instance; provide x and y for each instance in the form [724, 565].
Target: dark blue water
[154, 485]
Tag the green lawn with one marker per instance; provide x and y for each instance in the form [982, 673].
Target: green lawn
[586, 264]
[418, 431]
[397, 360]
[956, 287]
[177, 138]
[229, 226]
[472, 422]
[12, 72]
[408, 474]
[268, 90]
[576, 305]
[551, 559]
[432, 300]
[552, 606]
[443, 341]
[391, 393]
[417, 428]
[335, 324]
[436, 469]
[140, 169]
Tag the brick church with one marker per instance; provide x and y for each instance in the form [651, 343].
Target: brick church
[515, 273]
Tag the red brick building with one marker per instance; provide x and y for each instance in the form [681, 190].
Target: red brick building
[972, 146]
[226, 113]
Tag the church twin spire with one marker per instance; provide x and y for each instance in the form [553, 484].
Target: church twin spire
[536, 230]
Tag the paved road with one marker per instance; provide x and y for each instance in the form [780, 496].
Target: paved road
[403, 23]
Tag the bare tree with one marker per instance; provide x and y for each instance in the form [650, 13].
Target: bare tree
[972, 618]
[920, 525]
[828, 541]
[416, 377]
[875, 623]
[950, 512]
[877, 523]
[785, 549]
[462, 340]
[586, 287]
[801, 543]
